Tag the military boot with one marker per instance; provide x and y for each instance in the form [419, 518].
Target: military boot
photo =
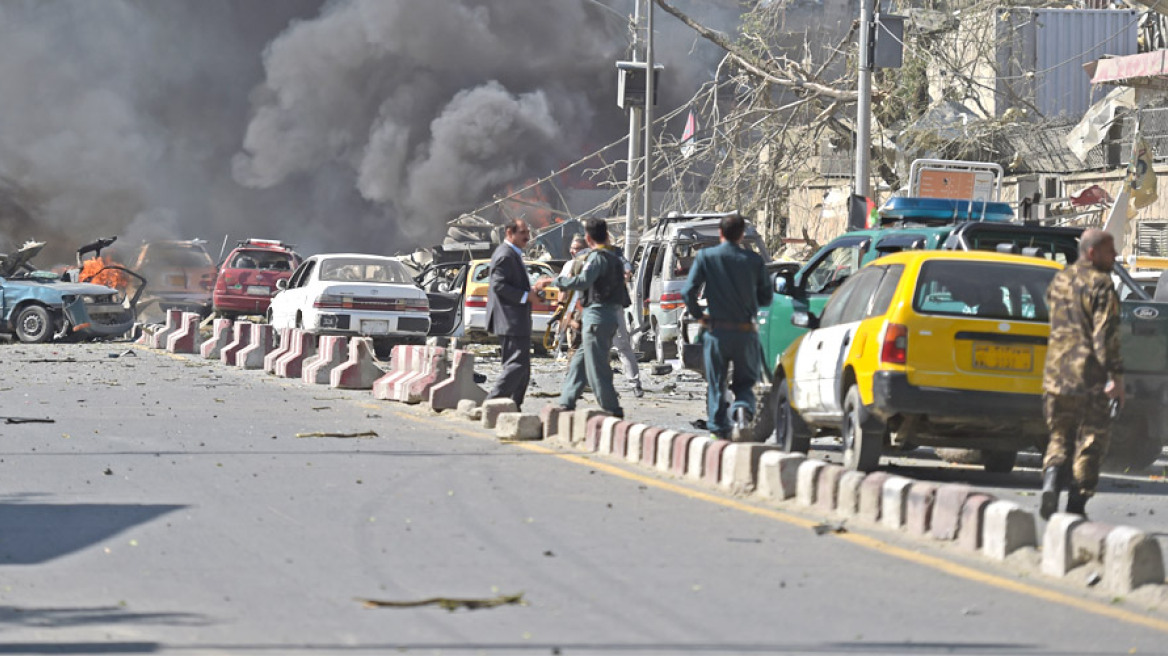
[1077, 503]
[1050, 492]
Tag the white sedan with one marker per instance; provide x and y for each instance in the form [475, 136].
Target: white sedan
[352, 294]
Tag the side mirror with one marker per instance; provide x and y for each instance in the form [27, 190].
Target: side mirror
[805, 320]
[784, 283]
[282, 284]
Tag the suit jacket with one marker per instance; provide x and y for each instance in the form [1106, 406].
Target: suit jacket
[506, 313]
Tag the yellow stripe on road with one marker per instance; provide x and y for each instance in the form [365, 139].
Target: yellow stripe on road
[868, 542]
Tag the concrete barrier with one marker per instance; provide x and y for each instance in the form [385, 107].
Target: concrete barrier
[518, 426]
[649, 438]
[1131, 558]
[549, 416]
[827, 488]
[679, 460]
[918, 515]
[331, 351]
[972, 528]
[872, 496]
[592, 428]
[894, 501]
[620, 438]
[259, 344]
[713, 458]
[635, 443]
[414, 371]
[665, 450]
[848, 501]
[492, 408]
[807, 483]
[360, 370]
[581, 423]
[301, 349]
[186, 338]
[566, 427]
[607, 431]
[157, 340]
[458, 385]
[778, 474]
[697, 465]
[1057, 555]
[467, 408]
[947, 507]
[1007, 528]
[240, 338]
[740, 466]
[284, 344]
[221, 331]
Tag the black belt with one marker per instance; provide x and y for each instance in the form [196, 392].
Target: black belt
[747, 327]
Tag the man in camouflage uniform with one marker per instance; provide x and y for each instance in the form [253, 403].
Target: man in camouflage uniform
[1084, 370]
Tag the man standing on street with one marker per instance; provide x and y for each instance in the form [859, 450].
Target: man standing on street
[1084, 370]
[605, 296]
[509, 312]
[736, 284]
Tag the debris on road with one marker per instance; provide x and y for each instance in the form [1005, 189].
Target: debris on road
[328, 434]
[828, 527]
[449, 603]
[29, 420]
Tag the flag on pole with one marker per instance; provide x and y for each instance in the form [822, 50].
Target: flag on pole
[1117, 218]
[688, 145]
[862, 213]
[1141, 178]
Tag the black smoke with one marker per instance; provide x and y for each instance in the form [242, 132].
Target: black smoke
[345, 125]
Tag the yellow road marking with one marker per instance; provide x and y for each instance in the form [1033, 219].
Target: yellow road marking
[867, 542]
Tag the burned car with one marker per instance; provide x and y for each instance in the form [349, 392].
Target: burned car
[37, 306]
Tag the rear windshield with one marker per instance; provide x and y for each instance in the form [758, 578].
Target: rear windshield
[990, 290]
[267, 260]
[679, 259]
[177, 255]
[362, 270]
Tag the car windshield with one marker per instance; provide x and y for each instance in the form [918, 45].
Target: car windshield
[363, 270]
[267, 260]
[991, 290]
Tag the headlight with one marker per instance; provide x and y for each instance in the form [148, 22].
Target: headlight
[67, 298]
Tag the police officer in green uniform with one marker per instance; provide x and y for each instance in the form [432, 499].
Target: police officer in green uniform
[605, 297]
[1084, 370]
[736, 284]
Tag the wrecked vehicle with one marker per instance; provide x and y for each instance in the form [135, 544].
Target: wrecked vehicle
[37, 306]
[181, 274]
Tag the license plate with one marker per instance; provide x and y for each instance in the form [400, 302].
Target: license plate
[258, 290]
[376, 327]
[996, 357]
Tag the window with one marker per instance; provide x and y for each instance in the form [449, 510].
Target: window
[363, 270]
[886, 290]
[989, 290]
[831, 268]
[861, 289]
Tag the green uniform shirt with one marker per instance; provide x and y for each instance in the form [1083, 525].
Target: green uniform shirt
[1083, 351]
[736, 283]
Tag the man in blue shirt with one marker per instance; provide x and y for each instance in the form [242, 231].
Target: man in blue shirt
[735, 284]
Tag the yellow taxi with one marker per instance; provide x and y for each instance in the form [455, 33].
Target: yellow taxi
[935, 348]
[475, 304]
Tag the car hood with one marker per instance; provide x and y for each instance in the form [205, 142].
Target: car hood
[14, 262]
[75, 288]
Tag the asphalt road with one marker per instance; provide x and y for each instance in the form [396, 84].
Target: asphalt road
[170, 508]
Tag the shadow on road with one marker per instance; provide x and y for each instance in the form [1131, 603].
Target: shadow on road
[36, 533]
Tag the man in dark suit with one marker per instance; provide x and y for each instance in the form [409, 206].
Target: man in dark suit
[509, 312]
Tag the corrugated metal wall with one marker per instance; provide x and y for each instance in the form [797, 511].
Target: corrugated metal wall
[1054, 44]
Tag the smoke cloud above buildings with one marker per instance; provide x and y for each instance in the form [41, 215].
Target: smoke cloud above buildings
[344, 125]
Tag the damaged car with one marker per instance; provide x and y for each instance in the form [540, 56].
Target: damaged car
[37, 306]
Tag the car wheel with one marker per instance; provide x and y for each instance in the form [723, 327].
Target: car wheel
[862, 445]
[791, 432]
[999, 461]
[34, 325]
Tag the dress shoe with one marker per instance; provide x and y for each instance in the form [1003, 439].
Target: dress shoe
[1077, 503]
[1050, 492]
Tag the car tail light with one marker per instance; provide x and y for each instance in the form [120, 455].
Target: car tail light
[226, 280]
[671, 301]
[329, 302]
[476, 301]
[895, 347]
[416, 305]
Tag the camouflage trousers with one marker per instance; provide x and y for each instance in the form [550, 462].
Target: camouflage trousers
[1079, 434]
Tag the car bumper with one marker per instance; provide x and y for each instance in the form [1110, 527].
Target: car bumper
[99, 320]
[893, 395]
[369, 324]
[243, 304]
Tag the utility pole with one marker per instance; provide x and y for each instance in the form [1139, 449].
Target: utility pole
[649, 88]
[633, 175]
[864, 100]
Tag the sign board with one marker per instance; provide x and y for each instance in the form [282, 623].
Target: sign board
[976, 181]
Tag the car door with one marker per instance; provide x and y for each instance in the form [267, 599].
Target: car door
[445, 285]
[285, 304]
